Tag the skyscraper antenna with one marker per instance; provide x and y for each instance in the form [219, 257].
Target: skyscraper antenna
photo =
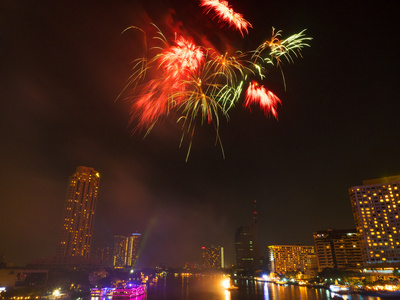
[255, 212]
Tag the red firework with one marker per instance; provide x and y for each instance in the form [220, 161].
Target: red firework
[258, 94]
[159, 95]
[226, 14]
[181, 60]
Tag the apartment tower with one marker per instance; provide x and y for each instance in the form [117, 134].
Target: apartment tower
[79, 210]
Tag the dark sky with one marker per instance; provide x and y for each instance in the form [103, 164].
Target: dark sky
[63, 64]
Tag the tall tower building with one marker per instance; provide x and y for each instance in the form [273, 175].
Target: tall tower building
[376, 213]
[212, 257]
[247, 245]
[126, 250]
[338, 249]
[80, 206]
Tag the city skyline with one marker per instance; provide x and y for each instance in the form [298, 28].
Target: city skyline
[65, 65]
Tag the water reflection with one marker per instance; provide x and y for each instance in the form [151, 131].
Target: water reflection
[210, 288]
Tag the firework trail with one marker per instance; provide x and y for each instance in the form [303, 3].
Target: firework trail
[226, 14]
[198, 85]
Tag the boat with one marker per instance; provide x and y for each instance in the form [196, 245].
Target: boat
[226, 283]
[107, 292]
[95, 292]
[103, 292]
[129, 291]
[232, 288]
[339, 289]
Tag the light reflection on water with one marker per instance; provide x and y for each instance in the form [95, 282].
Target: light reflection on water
[209, 288]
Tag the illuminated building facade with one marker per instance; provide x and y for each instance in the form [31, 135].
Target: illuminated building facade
[292, 258]
[212, 257]
[126, 250]
[375, 207]
[338, 249]
[81, 200]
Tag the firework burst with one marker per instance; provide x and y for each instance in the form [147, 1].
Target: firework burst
[181, 60]
[226, 14]
[201, 85]
[278, 48]
[258, 94]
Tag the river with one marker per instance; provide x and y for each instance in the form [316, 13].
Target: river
[210, 288]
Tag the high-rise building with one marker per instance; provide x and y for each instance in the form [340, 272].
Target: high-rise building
[79, 210]
[292, 258]
[376, 213]
[212, 257]
[338, 249]
[247, 245]
[126, 250]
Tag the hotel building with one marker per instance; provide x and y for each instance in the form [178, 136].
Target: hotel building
[79, 210]
[212, 257]
[292, 258]
[126, 250]
[338, 249]
[375, 207]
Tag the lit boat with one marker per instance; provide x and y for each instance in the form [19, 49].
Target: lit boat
[129, 291]
[95, 292]
[340, 289]
[107, 292]
[226, 283]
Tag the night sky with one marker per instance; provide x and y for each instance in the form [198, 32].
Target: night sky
[64, 63]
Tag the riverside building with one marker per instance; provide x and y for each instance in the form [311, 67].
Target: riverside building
[126, 250]
[338, 249]
[212, 257]
[375, 206]
[292, 258]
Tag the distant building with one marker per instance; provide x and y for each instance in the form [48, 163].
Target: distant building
[247, 245]
[80, 206]
[338, 249]
[65, 262]
[22, 278]
[292, 258]
[376, 213]
[104, 254]
[126, 250]
[212, 257]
